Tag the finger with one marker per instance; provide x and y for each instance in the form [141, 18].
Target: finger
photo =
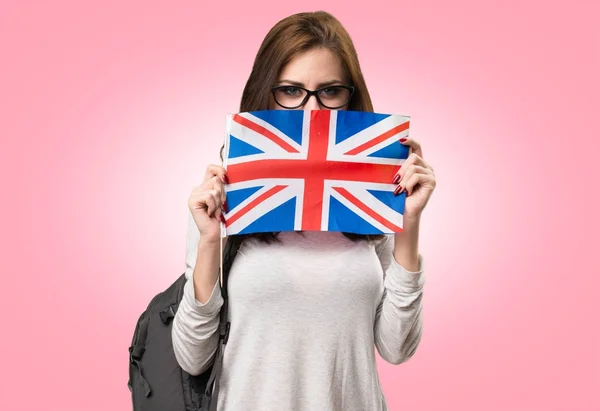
[216, 201]
[413, 159]
[202, 200]
[414, 145]
[417, 179]
[413, 169]
[408, 175]
[197, 202]
[215, 183]
[215, 170]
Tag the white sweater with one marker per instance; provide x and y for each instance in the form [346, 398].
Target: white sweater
[306, 316]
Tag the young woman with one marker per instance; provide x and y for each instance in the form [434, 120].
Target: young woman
[308, 309]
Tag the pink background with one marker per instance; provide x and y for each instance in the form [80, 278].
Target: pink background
[109, 113]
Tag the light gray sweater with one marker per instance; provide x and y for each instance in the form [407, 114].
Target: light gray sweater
[306, 315]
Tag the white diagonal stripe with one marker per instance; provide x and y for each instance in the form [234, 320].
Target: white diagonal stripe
[294, 189]
[359, 212]
[359, 190]
[272, 129]
[255, 139]
[385, 143]
[369, 133]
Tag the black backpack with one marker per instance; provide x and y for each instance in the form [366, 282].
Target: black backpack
[156, 381]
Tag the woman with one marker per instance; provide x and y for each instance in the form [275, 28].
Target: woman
[307, 310]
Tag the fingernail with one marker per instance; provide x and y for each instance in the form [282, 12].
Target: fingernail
[225, 179]
[397, 179]
[398, 190]
[225, 206]
[222, 218]
[402, 140]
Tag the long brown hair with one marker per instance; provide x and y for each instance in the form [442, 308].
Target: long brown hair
[291, 36]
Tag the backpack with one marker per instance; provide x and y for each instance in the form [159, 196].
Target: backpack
[156, 381]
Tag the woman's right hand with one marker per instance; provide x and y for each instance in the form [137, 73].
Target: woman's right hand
[207, 202]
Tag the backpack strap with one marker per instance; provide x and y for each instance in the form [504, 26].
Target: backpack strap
[212, 387]
[168, 313]
[137, 350]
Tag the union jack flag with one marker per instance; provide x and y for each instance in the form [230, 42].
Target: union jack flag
[319, 170]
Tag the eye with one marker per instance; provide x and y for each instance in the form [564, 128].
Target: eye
[291, 91]
[331, 91]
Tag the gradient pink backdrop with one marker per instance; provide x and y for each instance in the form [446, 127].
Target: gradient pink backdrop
[110, 111]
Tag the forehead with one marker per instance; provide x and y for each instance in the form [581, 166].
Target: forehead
[313, 67]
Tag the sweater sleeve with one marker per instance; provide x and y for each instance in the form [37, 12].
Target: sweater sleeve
[398, 319]
[195, 325]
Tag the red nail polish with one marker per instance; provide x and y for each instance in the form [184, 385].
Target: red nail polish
[397, 179]
[222, 218]
[402, 140]
[225, 179]
[225, 206]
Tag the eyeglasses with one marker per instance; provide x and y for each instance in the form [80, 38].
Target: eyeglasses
[332, 97]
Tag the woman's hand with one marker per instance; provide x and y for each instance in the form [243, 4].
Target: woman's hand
[207, 203]
[417, 178]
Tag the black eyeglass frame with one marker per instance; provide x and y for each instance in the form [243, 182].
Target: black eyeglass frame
[312, 93]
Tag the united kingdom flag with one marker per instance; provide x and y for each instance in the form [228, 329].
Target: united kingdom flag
[319, 170]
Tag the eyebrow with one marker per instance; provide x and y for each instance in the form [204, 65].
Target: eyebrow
[320, 85]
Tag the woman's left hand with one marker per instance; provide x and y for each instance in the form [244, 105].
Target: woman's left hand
[417, 178]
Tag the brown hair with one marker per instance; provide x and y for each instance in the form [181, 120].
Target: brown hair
[291, 36]
[294, 35]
